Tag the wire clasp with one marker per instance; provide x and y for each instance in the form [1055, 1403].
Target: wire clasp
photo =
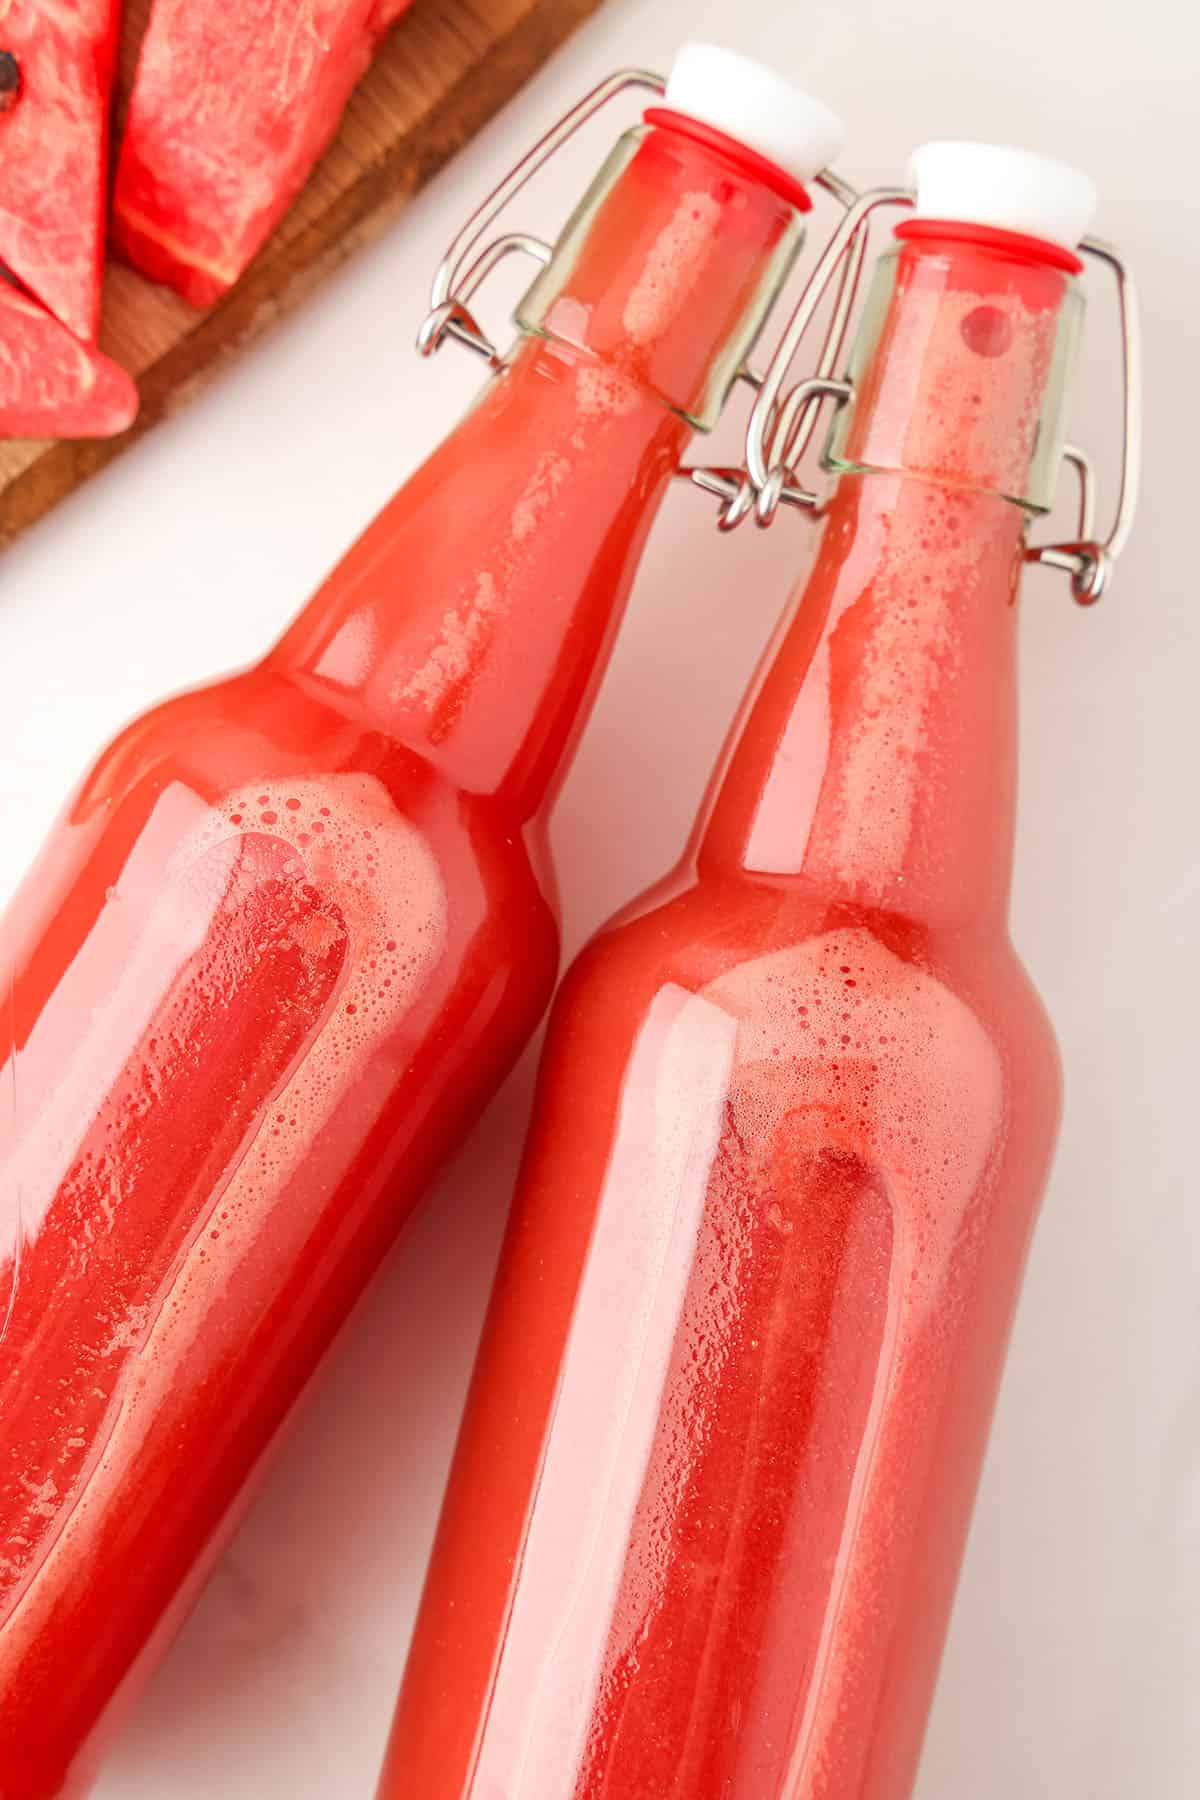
[464, 268]
[781, 426]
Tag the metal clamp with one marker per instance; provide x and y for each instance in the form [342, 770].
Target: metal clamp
[779, 431]
[740, 494]
[1087, 560]
[464, 268]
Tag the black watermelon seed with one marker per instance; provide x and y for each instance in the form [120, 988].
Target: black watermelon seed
[10, 81]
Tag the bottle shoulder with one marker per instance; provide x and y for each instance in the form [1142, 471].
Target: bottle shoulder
[261, 724]
[696, 1023]
[255, 755]
[805, 974]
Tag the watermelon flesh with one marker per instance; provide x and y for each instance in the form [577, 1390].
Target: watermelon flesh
[232, 104]
[51, 384]
[53, 152]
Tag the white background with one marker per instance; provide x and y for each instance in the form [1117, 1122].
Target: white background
[1073, 1665]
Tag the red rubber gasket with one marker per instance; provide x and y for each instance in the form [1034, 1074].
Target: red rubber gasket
[760, 168]
[991, 237]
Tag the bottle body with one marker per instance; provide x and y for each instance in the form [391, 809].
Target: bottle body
[285, 942]
[719, 1453]
[794, 1119]
[271, 967]
[323, 973]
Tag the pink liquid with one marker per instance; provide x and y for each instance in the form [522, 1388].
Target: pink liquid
[286, 941]
[794, 1117]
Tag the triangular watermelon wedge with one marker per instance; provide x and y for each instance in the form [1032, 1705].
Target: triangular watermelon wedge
[232, 104]
[51, 385]
[54, 151]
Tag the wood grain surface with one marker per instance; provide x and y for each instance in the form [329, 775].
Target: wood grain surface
[440, 75]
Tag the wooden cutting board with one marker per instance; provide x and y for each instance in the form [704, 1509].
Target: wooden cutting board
[441, 74]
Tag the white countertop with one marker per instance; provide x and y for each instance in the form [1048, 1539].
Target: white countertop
[1074, 1659]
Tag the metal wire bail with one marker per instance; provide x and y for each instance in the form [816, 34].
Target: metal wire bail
[779, 431]
[464, 268]
[1087, 560]
[741, 494]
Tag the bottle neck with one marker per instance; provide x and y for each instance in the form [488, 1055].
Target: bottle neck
[472, 620]
[878, 756]
[670, 264]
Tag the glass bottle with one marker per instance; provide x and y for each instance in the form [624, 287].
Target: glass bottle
[794, 1117]
[294, 927]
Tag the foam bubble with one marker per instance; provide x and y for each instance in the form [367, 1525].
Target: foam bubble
[959, 400]
[673, 266]
[602, 390]
[464, 631]
[909, 1082]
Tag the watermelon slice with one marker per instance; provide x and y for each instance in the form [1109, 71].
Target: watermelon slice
[57, 73]
[51, 384]
[232, 104]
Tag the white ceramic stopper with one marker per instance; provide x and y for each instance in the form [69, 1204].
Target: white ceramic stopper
[757, 107]
[1011, 189]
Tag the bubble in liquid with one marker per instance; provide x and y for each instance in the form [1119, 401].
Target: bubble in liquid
[987, 330]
